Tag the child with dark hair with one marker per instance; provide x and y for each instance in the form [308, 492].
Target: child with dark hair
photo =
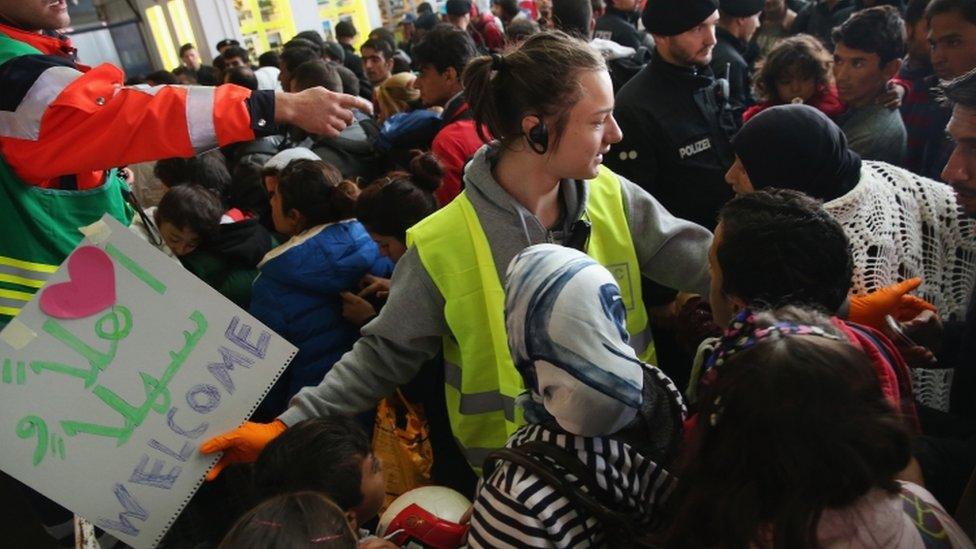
[316, 73]
[187, 216]
[797, 447]
[351, 151]
[297, 292]
[241, 76]
[302, 520]
[208, 170]
[221, 247]
[331, 456]
[774, 248]
[291, 58]
[387, 208]
[796, 70]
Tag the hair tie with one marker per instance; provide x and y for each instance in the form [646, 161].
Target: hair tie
[743, 334]
[497, 62]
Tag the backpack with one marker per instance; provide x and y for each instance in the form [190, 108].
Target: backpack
[538, 458]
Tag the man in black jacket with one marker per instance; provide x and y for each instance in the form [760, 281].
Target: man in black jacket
[677, 125]
[675, 118]
[737, 23]
[619, 23]
[345, 33]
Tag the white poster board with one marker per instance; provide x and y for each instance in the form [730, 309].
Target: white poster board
[112, 377]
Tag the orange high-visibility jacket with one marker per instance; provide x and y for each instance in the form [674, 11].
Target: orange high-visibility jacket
[62, 124]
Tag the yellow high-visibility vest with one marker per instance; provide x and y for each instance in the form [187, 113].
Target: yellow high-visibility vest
[481, 382]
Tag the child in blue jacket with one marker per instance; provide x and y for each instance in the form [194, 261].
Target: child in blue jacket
[297, 291]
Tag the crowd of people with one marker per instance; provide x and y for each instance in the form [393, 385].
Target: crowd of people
[672, 273]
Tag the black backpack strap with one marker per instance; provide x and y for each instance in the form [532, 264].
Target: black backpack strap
[595, 502]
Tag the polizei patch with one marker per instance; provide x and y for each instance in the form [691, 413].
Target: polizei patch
[695, 148]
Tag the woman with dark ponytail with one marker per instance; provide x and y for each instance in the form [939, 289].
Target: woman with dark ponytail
[549, 103]
[297, 291]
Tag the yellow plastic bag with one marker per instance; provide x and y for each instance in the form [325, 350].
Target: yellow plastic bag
[401, 438]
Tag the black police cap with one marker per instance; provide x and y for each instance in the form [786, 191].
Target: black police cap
[671, 17]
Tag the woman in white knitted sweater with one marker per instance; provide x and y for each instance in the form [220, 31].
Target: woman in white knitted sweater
[900, 225]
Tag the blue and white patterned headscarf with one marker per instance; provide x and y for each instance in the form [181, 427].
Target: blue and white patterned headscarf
[567, 332]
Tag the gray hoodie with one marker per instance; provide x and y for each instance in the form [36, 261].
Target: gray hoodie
[409, 329]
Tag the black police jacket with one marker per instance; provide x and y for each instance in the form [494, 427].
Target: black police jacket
[677, 128]
[729, 62]
[621, 27]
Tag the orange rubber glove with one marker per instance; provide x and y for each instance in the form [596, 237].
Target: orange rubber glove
[242, 444]
[893, 300]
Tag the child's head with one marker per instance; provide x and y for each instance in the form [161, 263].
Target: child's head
[297, 521]
[208, 170]
[796, 68]
[392, 204]
[330, 455]
[794, 423]
[316, 73]
[311, 193]
[187, 216]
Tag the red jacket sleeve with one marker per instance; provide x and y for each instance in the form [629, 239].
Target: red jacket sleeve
[70, 122]
[452, 158]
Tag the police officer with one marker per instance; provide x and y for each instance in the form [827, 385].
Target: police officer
[675, 116]
[737, 23]
[619, 24]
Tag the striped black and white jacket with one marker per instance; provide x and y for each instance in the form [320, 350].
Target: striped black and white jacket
[515, 508]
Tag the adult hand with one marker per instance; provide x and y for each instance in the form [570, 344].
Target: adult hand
[893, 300]
[371, 285]
[925, 329]
[892, 97]
[242, 444]
[356, 309]
[318, 110]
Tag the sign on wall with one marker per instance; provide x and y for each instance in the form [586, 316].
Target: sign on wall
[116, 372]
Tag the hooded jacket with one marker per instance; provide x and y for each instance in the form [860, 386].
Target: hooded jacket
[297, 295]
[229, 264]
[390, 353]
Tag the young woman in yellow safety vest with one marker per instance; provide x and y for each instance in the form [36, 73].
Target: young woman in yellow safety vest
[549, 105]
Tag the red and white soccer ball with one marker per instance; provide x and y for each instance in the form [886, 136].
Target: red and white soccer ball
[426, 517]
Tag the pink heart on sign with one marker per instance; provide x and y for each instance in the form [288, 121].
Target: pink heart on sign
[90, 290]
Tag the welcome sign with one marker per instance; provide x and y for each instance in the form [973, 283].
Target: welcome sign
[113, 375]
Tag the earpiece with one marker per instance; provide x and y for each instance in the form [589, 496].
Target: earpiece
[538, 138]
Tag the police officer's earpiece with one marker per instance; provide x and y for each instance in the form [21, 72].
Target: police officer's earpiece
[538, 137]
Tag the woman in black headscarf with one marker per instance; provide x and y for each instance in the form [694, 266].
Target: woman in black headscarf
[794, 147]
[900, 225]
